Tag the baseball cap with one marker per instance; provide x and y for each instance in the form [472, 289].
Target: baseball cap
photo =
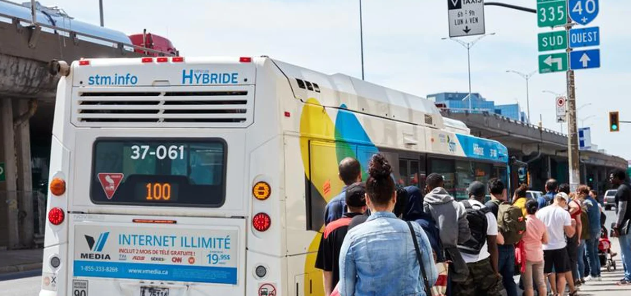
[356, 195]
[476, 189]
[564, 195]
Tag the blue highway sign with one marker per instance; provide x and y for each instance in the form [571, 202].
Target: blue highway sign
[583, 11]
[585, 59]
[585, 37]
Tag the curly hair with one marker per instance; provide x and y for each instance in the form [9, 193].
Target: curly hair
[380, 185]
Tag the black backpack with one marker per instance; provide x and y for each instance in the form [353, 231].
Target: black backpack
[478, 226]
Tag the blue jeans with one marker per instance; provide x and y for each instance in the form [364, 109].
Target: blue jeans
[625, 249]
[581, 262]
[591, 248]
[506, 267]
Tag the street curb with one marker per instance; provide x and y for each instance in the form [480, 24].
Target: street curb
[20, 267]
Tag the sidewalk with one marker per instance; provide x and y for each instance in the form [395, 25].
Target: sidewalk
[20, 260]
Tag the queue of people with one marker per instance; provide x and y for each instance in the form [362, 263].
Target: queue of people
[383, 240]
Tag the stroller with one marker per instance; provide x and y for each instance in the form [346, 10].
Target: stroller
[604, 250]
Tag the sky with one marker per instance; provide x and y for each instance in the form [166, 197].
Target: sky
[403, 49]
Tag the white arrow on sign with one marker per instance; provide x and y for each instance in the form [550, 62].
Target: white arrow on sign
[549, 61]
[455, 2]
[585, 60]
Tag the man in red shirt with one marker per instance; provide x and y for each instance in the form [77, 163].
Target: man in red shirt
[334, 233]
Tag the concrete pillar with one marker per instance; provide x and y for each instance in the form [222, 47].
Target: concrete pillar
[25, 178]
[548, 165]
[8, 188]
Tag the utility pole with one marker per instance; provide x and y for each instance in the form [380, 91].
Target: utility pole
[572, 133]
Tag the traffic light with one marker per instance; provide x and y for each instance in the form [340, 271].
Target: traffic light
[614, 122]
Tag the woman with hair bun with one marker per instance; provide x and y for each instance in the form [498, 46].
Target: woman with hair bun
[379, 257]
[533, 238]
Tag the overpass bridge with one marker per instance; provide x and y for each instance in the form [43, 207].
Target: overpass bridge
[30, 37]
[543, 150]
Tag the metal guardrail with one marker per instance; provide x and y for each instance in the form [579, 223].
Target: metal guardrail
[73, 34]
[489, 112]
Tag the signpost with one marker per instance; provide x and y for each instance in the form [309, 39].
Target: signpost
[551, 13]
[585, 37]
[554, 62]
[466, 17]
[583, 11]
[561, 109]
[584, 138]
[555, 40]
[585, 59]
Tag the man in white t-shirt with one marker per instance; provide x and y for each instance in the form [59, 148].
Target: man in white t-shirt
[480, 252]
[558, 224]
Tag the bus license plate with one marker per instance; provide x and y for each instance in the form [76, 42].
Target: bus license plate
[152, 291]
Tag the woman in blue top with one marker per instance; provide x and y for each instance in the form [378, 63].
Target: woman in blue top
[378, 257]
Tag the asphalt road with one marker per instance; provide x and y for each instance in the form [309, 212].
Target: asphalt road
[28, 283]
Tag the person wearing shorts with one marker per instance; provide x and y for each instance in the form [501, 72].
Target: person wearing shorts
[534, 238]
[558, 224]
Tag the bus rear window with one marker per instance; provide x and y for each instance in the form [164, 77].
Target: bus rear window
[159, 172]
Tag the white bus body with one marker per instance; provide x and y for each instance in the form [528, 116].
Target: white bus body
[162, 159]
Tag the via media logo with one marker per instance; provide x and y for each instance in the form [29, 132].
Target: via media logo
[99, 244]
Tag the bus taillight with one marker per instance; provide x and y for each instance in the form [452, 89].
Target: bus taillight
[162, 60]
[245, 59]
[177, 59]
[261, 190]
[56, 216]
[261, 222]
[58, 186]
[147, 60]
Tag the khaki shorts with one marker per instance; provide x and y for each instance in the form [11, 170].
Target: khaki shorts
[534, 271]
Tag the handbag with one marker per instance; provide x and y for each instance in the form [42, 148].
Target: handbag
[419, 258]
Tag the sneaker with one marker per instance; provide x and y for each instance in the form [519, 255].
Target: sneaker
[598, 279]
[588, 278]
[582, 280]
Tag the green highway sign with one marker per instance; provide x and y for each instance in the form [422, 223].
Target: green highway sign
[551, 13]
[555, 40]
[2, 174]
[554, 62]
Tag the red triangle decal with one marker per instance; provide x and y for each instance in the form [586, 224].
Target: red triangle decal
[110, 182]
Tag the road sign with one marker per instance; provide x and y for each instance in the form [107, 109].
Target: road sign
[554, 62]
[466, 17]
[552, 40]
[585, 59]
[584, 138]
[551, 13]
[2, 174]
[583, 11]
[561, 109]
[585, 37]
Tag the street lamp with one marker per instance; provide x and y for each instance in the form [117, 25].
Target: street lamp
[527, 78]
[554, 93]
[582, 106]
[468, 46]
[361, 36]
[585, 119]
[101, 11]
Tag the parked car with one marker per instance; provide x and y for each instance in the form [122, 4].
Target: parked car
[530, 194]
[609, 200]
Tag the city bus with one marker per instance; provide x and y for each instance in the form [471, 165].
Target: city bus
[209, 176]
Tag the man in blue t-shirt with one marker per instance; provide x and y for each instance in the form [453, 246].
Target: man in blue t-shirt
[349, 172]
[551, 190]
